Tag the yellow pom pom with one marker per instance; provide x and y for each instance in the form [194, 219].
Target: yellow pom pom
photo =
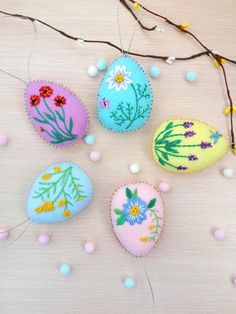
[217, 64]
[137, 6]
[66, 213]
[228, 109]
[185, 25]
[46, 176]
[57, 169]
[62, 202]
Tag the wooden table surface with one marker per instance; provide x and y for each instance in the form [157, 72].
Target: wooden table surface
[189, 270]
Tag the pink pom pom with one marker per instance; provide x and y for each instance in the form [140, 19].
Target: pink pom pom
[95, 156]
[234, 280]
[4, 234]
[219, 234]
[3, 140]
[89, 247]
[44, 239]
[164, 187]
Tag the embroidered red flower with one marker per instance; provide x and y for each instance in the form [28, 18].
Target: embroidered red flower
[59, 101]
[41, 129]
[45, 91]
[34, 100]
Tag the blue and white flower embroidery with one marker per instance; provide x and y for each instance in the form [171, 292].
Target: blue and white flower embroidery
[215, 136]
[119, 78]
[135, 210]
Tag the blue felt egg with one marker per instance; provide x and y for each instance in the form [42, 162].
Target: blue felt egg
[58, 193]
[125, 96]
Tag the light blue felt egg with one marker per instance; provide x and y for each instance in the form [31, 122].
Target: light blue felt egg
[125, 96]
[58, 193]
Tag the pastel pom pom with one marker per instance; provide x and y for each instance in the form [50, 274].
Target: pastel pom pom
[89, 139]
[164, 187]
[44, 239]
[57, 114]
[187, 145]
[95, 156]
[125, 96]
[134, 168]
[228, 172]
[137, 214]
[89, 247]
[92, 71]
[101, 65]
[65, 269]
[219, 234]
[154, 72]
[129, 283]
[191, 76]
[4, 234]
[58, 193]
[3, 140]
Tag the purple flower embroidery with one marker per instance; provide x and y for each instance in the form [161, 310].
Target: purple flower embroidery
[104, 103]
[192, 157]
[182, 168]
[189, 134]
[205, 145]
[187, 124]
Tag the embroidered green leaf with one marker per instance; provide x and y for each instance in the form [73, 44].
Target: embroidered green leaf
[135, 193]
[175, 143]
[168, 134]
[60, 116]
[165, 155]
[169, 125]
[118, 212]
[50, 117]
[170, 149]
[129, 194]
[39, 120]
[70, 125]
[120, 220]
[152, 203]
[161, 161]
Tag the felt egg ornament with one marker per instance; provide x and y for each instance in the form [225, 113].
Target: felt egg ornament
[58, 193]
[137, 214]
[187, 145]
[125, 96]
[58, 116]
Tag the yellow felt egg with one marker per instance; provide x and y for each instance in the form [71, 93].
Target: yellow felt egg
[187, 145]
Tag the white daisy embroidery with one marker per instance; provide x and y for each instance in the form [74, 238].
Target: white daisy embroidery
[119, 78]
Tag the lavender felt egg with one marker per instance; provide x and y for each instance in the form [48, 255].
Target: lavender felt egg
[187, 145]
[57, 114]
[125, 96]
[137, 215]
[58, 193]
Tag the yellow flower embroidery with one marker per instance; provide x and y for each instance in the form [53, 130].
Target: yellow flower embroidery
[46, 176]
[66, 213]
[57, 169]
[62, 202]
[144, 239]
[46, 207]
[150, 227]
[80, 198]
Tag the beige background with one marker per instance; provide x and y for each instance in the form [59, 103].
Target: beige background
[189, 270]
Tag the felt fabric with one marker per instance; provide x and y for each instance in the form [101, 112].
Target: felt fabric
[125, 96]
[137, 214]
[57, 114]
[187, 145]
[58, 193]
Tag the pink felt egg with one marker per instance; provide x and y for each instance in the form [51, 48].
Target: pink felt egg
[57, 114]
[137, 214]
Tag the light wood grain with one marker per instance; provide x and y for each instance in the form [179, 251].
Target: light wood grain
[190, 271]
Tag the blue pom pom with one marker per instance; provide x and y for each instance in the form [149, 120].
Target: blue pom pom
[89, 139]
[65, 269]
[129, 283]
[191, 76]
[154, 72]
[101, 65]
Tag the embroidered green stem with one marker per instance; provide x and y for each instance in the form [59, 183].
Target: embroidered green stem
[136, 107]
[167, 129]
[168, 153]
